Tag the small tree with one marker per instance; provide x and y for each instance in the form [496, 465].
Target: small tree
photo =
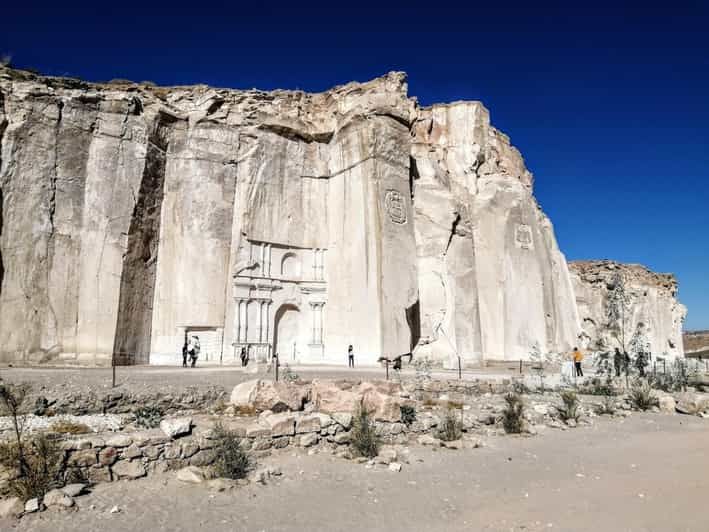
[364, 437]
[618, 306]
[640, 349]
[513, 414]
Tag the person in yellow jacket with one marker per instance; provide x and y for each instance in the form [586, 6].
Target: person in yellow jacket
[578, 357]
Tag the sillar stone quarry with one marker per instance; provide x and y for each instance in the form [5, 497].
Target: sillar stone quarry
[285, 222]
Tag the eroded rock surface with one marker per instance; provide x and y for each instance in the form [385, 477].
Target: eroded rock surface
[652, 312]
[134, 216]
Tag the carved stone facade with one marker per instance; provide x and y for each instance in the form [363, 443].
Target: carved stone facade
[280, 300]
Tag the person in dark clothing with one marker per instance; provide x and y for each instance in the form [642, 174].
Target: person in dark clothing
[243, 356]
[350, 356]
[626, 362]
[184, 354]
[617, 361]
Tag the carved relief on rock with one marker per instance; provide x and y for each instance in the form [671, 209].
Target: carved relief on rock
[395, 206]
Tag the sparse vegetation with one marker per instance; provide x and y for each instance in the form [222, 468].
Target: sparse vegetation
[569, 408]
[607, 405]
[513, 414]
[451, 428]
[408, 414]
[38, 461]
[69, 427]
[364, 438]
[288, 374]
[642, 397]
[148, 417]
[232, 460]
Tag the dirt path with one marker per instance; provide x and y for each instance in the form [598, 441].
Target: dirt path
[648, 472]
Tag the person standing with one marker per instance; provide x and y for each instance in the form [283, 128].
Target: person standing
[243, 356]
[578, 357]
[184, 354]
[193, 349]
[617, 361]
[350, 356]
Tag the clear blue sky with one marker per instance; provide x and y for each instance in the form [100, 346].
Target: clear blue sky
[608, 102]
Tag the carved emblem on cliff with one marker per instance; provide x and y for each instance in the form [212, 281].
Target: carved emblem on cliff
[523, 237]
[395, 206]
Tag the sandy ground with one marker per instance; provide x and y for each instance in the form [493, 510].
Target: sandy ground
[645, 473]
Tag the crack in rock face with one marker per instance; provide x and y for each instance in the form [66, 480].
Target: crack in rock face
[145, 224]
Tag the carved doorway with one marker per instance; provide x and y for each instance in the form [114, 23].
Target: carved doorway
[285, 338]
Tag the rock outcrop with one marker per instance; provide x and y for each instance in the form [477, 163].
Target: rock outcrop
[491, 278]
[133, 217]
[651, 311]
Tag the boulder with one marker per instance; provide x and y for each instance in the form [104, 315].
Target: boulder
[308, 423]
[32, 506]
[128, 469]
[330, 398]
[383, 406]
[191, 475]
[11, 507]
[344, 419]
[119, 440]
[666, 403]
[57, 499]
[257, 431]
[74, 490]
[259, 395]
[692, 403]
[395, 467]
[83, 458]
[176, 427]
[309, 439]
[107, 456]
[282, 424]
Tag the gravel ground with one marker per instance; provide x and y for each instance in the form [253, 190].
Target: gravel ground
[96, 422]
[644, 473]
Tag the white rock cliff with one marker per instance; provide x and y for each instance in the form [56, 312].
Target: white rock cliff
[134, 216]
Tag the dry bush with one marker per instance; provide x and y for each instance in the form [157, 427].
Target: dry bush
[451, 428]
[364, 438]
[513, 414]
[642, 397]
[232, 460]
[569, 408]
[69, 427]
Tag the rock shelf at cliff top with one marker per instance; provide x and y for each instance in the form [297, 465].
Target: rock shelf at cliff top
[284, 222]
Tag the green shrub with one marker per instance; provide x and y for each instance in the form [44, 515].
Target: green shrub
[408, 414]
[364, 439]
[148, 417]
[569, 408]
[642, 397]
[232, 460]
[451, 428]
[513, 414]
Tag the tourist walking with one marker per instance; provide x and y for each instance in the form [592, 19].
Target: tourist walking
[193, 348]
[578, 357]
[617, 361]
[350, 356]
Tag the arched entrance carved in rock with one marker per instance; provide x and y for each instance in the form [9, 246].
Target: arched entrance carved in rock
[285, 339]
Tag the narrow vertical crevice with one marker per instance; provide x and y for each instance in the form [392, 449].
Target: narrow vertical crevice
[3, 125]
[413, 319]
[413, 175]
[134, 322]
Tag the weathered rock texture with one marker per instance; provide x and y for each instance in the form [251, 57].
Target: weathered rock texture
[652, 306]
[132, 216]
[696, 343]
[491, 278]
